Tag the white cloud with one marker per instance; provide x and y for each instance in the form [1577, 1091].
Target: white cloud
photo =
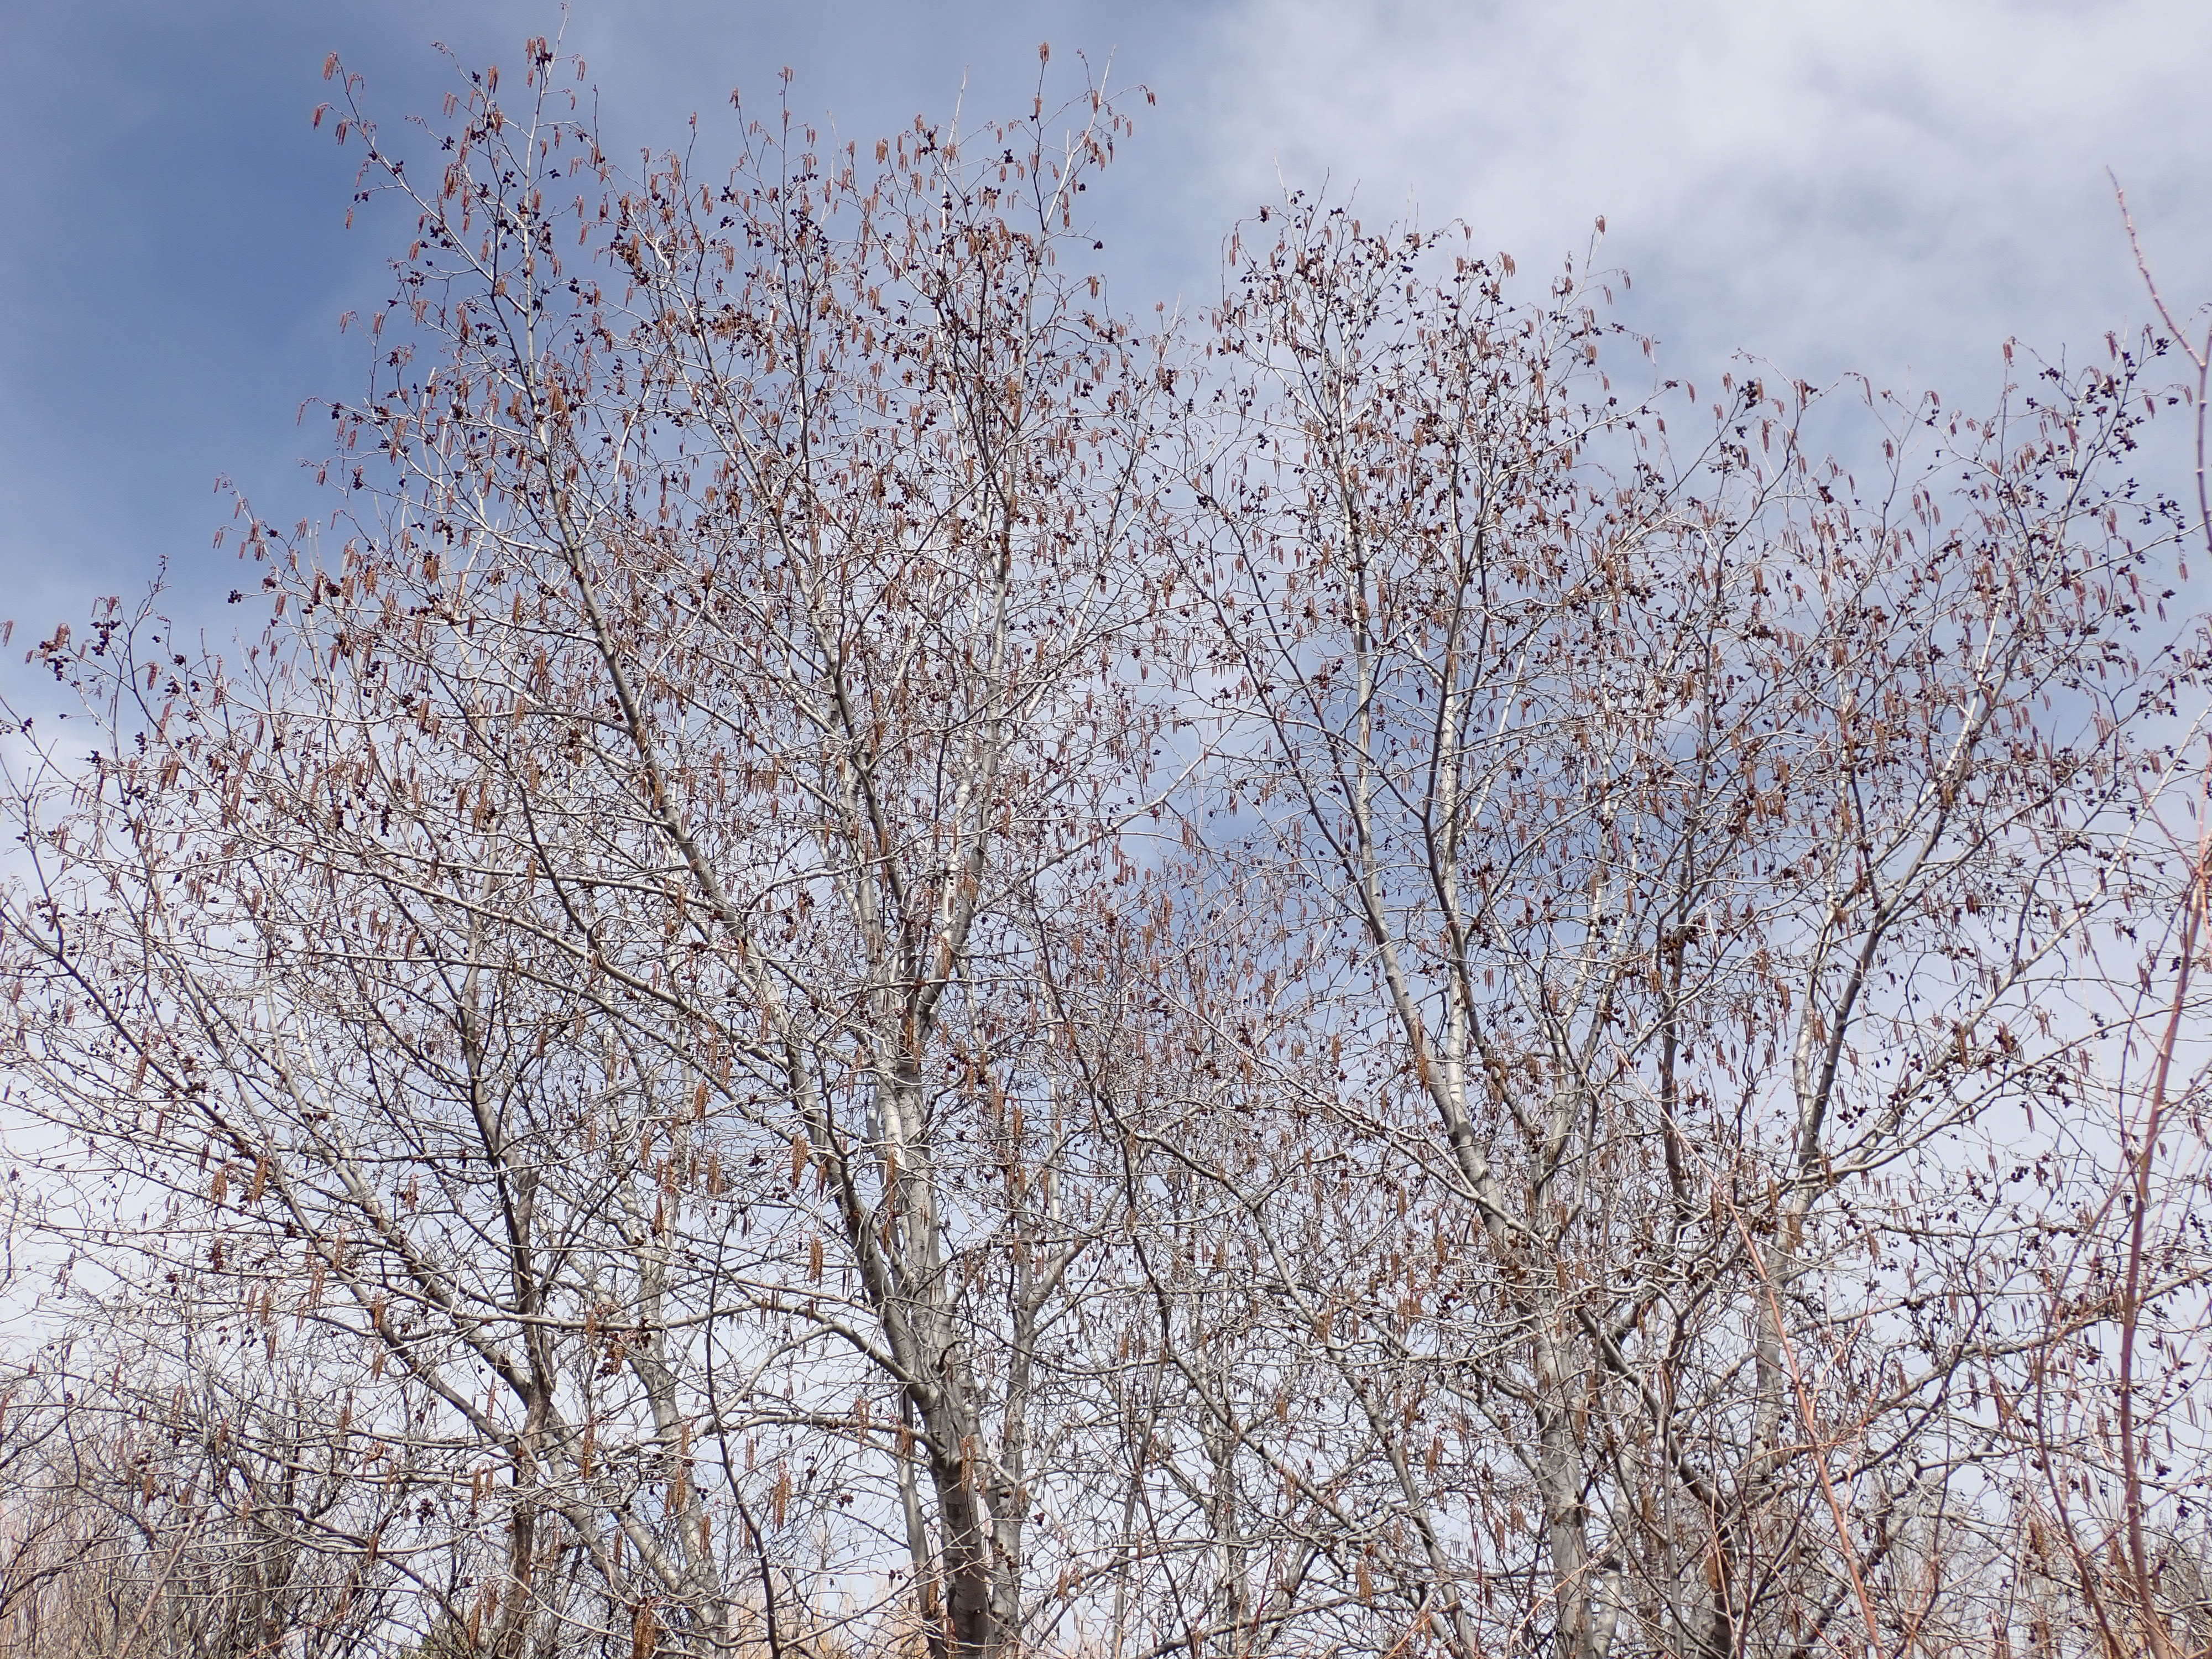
[1891, 185]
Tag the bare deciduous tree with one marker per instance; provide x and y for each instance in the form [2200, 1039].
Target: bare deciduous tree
[868, 964]
[1673, 849]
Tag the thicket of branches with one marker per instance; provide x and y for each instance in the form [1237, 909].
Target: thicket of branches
[869, 961]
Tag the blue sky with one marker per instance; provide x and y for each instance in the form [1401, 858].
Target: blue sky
[1893, 186]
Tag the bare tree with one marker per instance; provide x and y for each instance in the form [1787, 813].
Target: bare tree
[576, 975]
[1672, 850]
[866, 964]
